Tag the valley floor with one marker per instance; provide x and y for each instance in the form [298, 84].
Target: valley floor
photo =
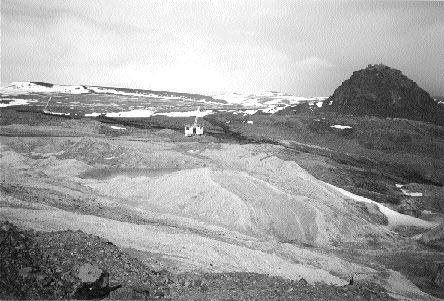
[245, 218]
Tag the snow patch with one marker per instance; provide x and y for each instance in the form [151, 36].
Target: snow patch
[15, 102]
[28, 87]
[133, 113]
[249, 112]
[117, 127]
[265, 99]
[102, 90]
[273, 109]
[56, 113]
[341, 127]
[140, 113]
[394, 218]
[94, 114]
[186, 113]
[232, 98]
[406, 192]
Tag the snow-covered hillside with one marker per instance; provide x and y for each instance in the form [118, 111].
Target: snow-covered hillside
[30, 87]
[124, 102]
[268, 102]
[266, 98]
[103, 90]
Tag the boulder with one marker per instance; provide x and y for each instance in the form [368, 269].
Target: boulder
[89, 273]
[95, 283]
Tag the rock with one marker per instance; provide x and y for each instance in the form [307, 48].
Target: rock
[95, 283]
[129, 293]
[204, 288]
[382, 91]
[410, 206]
[438, 277]
[162, 292]
[5, 227]
[89, 273]
[24, 272]
[142, 289]
[95, 290]
[186, 283]
[434, 237]
[197, 282]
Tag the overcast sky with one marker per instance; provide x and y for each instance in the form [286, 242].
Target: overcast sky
[303, 48]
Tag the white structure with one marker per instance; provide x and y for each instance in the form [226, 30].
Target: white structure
[195, 129]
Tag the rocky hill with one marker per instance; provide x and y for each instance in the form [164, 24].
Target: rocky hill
[379, 90]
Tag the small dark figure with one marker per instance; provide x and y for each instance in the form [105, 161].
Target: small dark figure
[351, 281]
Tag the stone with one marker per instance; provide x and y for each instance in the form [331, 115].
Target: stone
[95, 290]
[434, 237]
[197, 282]
[129, 293]
[162, 292]
[438, 277]
[24, 272]
[204, 288]
[89, 273]
[5, 227]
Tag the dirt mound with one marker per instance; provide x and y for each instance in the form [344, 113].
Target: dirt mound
[383, 91]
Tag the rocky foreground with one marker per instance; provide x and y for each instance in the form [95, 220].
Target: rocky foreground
[75, 265]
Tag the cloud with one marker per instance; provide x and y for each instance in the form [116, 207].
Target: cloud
[314, 62]
[306, 47]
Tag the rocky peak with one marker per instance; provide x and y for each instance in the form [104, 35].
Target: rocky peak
[379, 90]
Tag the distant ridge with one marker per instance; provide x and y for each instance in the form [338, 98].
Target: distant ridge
[379, 90]
[48, 85]
[44, 87]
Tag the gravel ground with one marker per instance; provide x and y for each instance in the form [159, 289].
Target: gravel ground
[45, 265]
